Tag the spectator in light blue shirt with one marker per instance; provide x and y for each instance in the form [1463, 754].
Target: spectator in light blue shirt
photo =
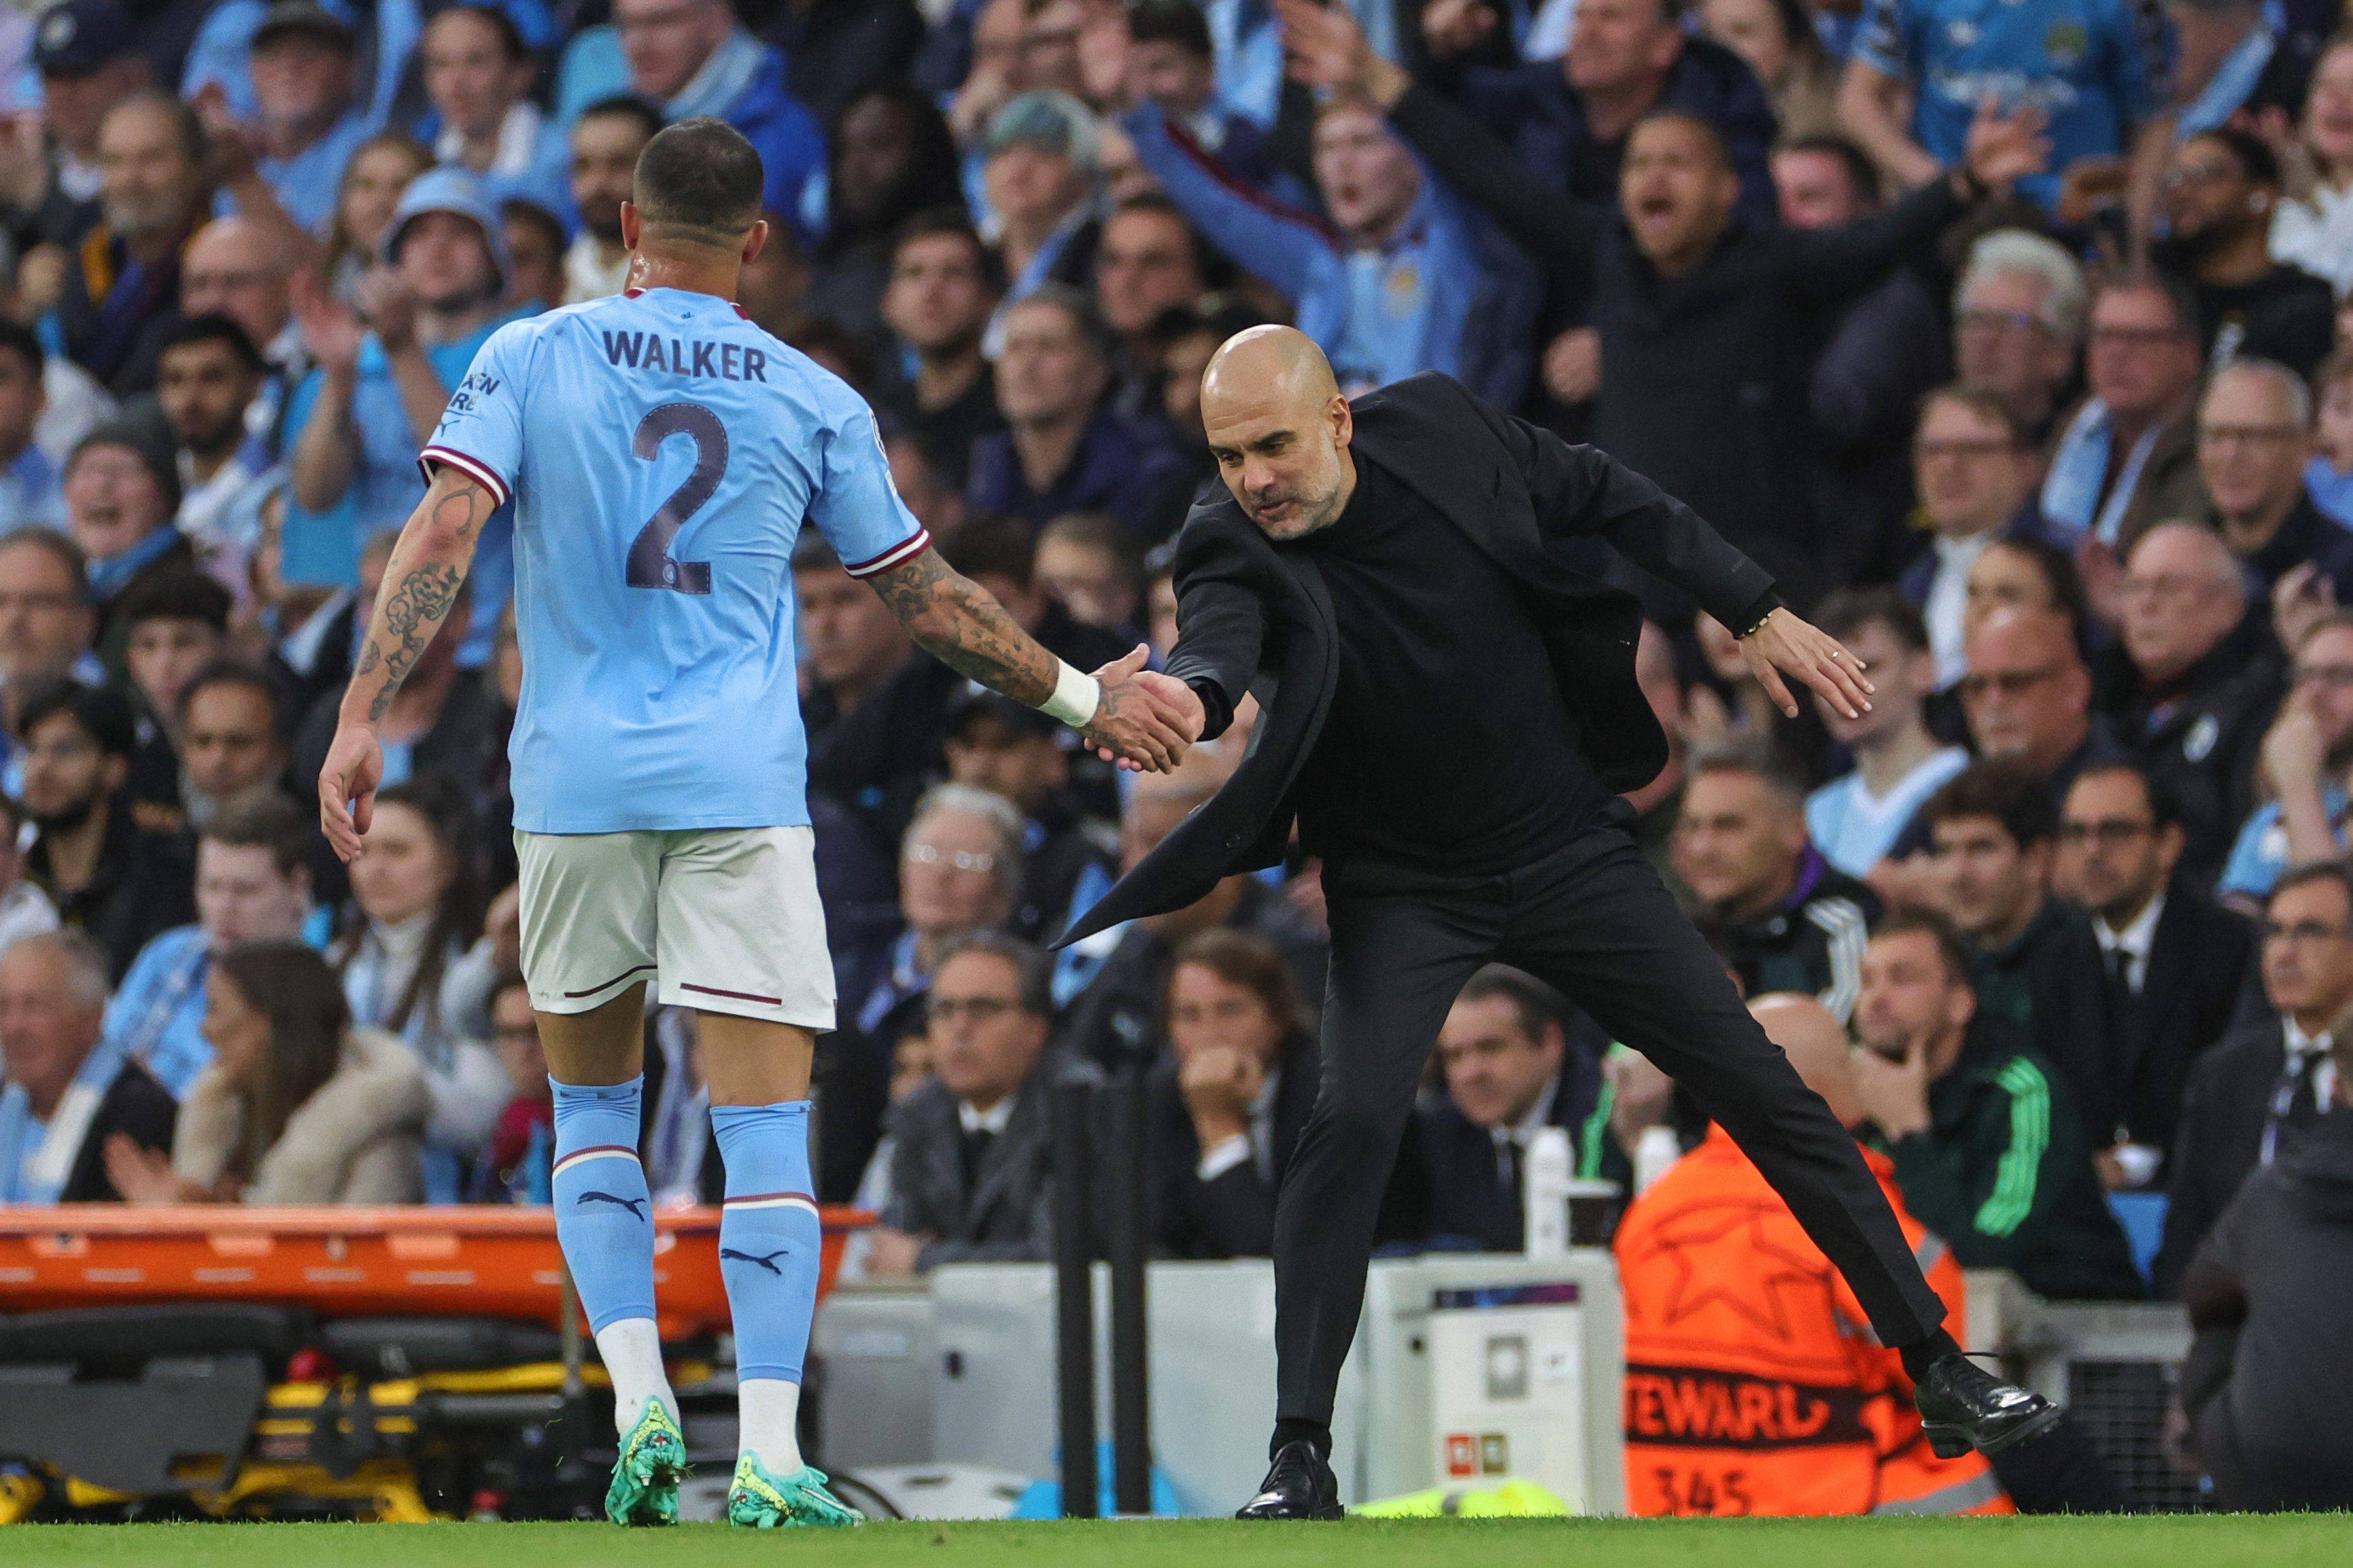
[1855, 818]
[308, 116]
[252, 885]
[2083, 63]
[1412, 281]
[2306, 756]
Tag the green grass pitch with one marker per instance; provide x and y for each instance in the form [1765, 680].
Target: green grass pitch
[2212, 1542]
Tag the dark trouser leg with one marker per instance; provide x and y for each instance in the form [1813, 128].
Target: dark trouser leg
[1605, 932]
[1396, 964]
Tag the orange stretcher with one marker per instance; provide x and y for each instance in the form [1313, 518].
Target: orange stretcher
[459, 1261]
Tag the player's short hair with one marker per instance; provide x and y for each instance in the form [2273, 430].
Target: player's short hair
[2002, 790]
[1844, 612]
[1034, 977]
[701, 180]
[1952, 950]
[269, 822]
[1535, 1004]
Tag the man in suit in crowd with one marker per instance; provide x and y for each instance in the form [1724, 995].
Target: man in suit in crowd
[2149, 982]
[63, 1092]
[1452, 715]
[1512, 1065]
[972, 1180]
[2251, 1093]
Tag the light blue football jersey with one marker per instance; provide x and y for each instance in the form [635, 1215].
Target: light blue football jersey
[663, 452]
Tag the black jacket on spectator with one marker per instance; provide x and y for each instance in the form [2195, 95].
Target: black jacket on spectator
[946, 435]
[1232, 1214]
[2287, 315]
[2128, 1058]
[467, 744]
[2268, 1381]
[1258, 618]
[2230, 1109]
[1707, 377]
[1061, 850]
[118, 346]
[2017, 984]
[1812, 942]
[1469, 1201]
[1004, 1212]
[145, 884]
[2202, 738]
[2306, 534]
[134, 1105]
[1886, 350]
[1114, 1018]
[111, 640]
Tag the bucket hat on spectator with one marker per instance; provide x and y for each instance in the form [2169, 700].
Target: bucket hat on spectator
[81, 35]
[454, 190]
[1052, 121]
[289, 19]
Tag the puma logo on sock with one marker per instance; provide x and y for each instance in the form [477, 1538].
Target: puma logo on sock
[635, 1205]
[768, 1263]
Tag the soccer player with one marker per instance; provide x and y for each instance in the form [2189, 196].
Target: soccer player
[664, 452]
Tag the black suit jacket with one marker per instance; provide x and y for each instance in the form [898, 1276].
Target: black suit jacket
[2221, 1140]
[1468, 1198]
[1253, 617]
[2129, 1069]
[134, 1103]
[1232, 1216]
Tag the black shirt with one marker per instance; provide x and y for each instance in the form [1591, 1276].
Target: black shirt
[1447, 748]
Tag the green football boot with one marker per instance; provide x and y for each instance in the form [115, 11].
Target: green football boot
[762, 1502]
[645, 1476]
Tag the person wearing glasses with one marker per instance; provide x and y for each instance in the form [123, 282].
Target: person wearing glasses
[2218, 196]
[960, 869]
[2254, 441]
[2306, 756]
[2018, 320]
[972, 1181]
[2128, 457]
[2192, 681]
[2151, 980]
[1974, 468]
[2253, 1093]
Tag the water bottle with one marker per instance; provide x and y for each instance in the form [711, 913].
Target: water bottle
[1544, 1193]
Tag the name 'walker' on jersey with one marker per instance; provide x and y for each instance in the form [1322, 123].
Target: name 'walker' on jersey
[664, 452]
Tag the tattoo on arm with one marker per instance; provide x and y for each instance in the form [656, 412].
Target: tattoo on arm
[411, 609]
[956, 620]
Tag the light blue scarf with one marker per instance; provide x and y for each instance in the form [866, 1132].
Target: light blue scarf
[37, 1158]
[2071, 491]
[714, 89]
[2228, 88]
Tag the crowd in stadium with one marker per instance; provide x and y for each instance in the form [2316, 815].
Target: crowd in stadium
[2016, 341]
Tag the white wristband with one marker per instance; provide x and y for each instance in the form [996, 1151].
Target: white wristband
[1076, 693]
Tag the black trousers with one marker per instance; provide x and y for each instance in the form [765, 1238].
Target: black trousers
[1594, 920]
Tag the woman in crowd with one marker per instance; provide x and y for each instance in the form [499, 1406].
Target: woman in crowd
[412, 966]
[2314, 229]
[379, 170]
[299, 1105]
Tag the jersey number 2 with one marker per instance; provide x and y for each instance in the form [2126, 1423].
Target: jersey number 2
[650, 562]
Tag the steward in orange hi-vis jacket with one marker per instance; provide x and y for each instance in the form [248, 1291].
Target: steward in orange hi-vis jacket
[1754, 1384]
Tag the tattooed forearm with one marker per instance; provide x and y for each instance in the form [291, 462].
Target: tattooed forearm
[956, 620]
[411, 613]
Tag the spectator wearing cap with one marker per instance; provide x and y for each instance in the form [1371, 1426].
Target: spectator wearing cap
[1973, 468]
[1039, 173]
[2159, 979]
[1013, 750]
[2254, 442]
[1065, 448]
[309, 117]
[378, 393]
[89, 60]
[176, 623]
[2192, 683]
[123, 280]
[2254, 1090]
[2222, 188]
[105, 874]
[478, 78]
[605, 142]
[878, 757]
[1404, 278]
[122, 487]
[30, 491]
[2128, 457]
[208, 377]
[692, 57]
[942, 289]
[1933, 61]
[2018, 320]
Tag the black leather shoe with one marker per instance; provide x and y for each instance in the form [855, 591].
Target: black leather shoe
[1964, 1406]
[1300, 1485]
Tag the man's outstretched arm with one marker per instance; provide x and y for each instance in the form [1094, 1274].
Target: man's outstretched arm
[959, 621]
[428, 566]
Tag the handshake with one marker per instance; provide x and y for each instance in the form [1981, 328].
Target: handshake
[1142, 719]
